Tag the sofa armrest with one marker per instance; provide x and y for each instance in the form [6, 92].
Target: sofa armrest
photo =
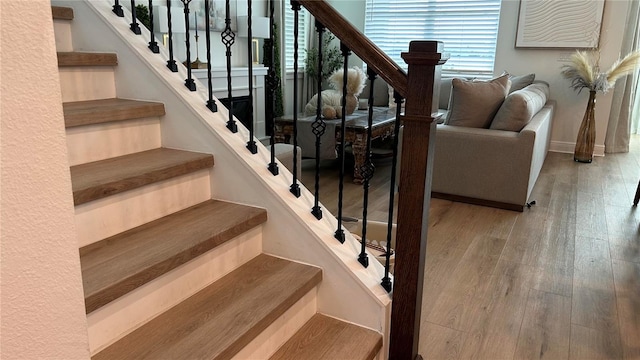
[483, 163]
[540, 127]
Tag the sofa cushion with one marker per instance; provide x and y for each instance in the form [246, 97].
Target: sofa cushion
[445, 93]
[520, 107]
[474, 103]
[521, 82]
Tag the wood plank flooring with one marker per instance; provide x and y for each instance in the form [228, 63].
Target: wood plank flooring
[559, 281]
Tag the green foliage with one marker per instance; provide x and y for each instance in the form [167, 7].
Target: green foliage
[142, 14]
[266, 51]
[331, 59]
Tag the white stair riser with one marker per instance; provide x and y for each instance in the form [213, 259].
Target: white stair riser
[120, 317]
[102, 141]
[62, 31]
[80, 83]
[99, 219]
[281, 330]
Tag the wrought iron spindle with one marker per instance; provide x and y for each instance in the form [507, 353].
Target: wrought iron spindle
[272, 82]
[228, 38]
[367, 171]
[171, 63]
[295, 187]
[318, 127]
[117, 9]
[386, 280]
[134, 22]
[211, 104]
[251, 144]
[153, 45]
[189, 82]
[339, 234]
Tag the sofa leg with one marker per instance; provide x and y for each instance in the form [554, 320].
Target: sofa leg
[531, 203]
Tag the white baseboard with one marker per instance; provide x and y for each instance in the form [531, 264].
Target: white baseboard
[569, 147]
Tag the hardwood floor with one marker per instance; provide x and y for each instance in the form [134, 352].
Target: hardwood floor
[559, 281]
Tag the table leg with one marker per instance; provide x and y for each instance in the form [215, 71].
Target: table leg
[359, 157]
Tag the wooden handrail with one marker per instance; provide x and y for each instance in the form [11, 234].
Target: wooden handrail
[358, 43]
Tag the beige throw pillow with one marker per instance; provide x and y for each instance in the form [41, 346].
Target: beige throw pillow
[520, 107]
[474, 103]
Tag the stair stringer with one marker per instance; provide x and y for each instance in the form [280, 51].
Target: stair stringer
[348, 291]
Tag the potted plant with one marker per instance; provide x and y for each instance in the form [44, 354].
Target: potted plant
[331, 59]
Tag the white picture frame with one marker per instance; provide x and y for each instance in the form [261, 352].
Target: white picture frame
[217, 15]
[559, 24]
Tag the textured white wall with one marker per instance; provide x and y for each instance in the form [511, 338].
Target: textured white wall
[41, 293]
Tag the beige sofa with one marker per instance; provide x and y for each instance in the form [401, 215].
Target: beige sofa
[493, 167]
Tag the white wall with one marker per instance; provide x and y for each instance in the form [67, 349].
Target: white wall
[546, 64]
[43, 313]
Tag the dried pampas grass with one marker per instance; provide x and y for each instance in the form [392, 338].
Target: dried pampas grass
[623, 67]
[584, 71]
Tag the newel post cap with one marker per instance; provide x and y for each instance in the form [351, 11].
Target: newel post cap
[425, 53]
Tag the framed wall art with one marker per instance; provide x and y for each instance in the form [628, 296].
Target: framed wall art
[217, 15]
[559, 24]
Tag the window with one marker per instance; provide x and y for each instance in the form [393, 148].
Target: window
[288, 37]
[468, 29]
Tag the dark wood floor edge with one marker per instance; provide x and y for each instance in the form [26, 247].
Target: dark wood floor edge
[476, 201]
[86, 59]
[62, 13]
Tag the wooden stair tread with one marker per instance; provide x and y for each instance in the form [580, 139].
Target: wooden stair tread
[121, 263]
[323, 337]
[88, 112]
[62, 13]
[87, 59]
[220, 320]
[99, 179]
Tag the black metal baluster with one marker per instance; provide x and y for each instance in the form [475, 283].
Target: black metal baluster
[251, 144]
[117, 9]
[295, 188]
[367, 171]
[134, 22]
[228, 38]
[211, 104]
[171, 63]
[345, 54]
[318, 127]
[153, 45]
[272, 82]
[386, 280]
[189, 82]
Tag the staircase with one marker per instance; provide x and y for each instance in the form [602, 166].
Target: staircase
[169, 272]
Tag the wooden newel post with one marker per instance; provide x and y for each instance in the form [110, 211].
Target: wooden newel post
[418, 144]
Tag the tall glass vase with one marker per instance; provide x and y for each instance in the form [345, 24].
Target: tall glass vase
[587, 133]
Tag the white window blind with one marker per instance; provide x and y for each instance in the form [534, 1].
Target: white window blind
[288, 36]
[468, 29]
